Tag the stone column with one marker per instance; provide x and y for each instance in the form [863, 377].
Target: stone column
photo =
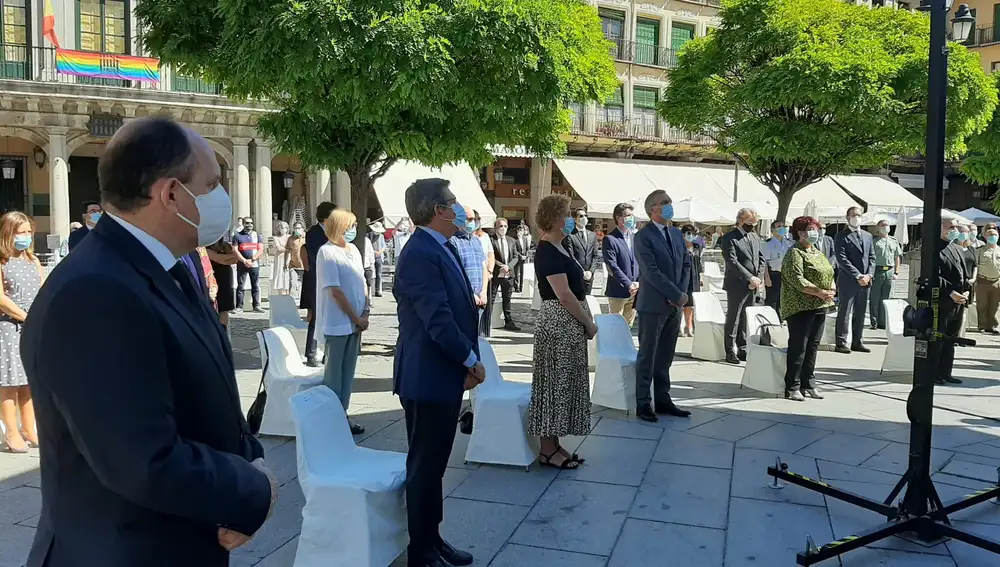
[341, 193]
[319, 190]
[58, 183]
[264, 201]
[541, 187]
[241, 193]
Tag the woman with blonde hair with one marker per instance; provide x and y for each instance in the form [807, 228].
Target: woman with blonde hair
[341, 304]
[560, 385]
[22, 275]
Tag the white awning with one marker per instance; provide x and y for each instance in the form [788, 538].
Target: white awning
[391, 189]
[979, 216]
[880, 193]
[832, 202]
[603, 183]
[683, 181]
[915, 180]
[695, 211]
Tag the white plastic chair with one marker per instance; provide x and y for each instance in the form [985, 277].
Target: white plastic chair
[614, 381]
[284, 376]
[594, 306]
[528, 285]
[713, 277]
[499, 432]
[355, 511]
[709, 327]
[899, 351]
[536, 298]
[285, 313]
[765, 369]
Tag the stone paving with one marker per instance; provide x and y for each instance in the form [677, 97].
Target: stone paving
[681, 492]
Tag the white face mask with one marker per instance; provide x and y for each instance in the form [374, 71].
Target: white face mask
[215, 209]
[854, 222]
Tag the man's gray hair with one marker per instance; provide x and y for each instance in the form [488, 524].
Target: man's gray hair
[652, 200]
[745, 211]
[423, 196]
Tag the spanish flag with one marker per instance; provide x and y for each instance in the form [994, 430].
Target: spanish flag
[49, 24]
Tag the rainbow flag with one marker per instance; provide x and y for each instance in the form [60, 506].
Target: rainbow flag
[107, 66]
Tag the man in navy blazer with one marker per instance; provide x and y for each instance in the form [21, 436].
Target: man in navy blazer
[146, 458]
[664, 287]
[619, 259]
[437, 359]
[856, 269]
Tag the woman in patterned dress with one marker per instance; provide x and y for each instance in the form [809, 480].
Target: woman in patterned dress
[560, 386]
[22, 277]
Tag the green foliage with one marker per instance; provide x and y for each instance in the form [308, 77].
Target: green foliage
[801, 89]
[982, 165]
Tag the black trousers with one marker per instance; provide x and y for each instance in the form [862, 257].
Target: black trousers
[772, 295]
[241, 278]
[519, 276]
[506, 287]
[736, 326]
[853, 303]
[378, 275]
[430, 431]
[805, 329]
[951, 324]
[657, 343]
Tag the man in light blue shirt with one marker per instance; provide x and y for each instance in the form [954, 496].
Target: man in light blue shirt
[774, 254]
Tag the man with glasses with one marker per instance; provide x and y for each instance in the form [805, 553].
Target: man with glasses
[856, 265]
[92, 212]
[505, 254]
[582, 246]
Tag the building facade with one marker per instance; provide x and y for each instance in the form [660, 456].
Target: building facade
[985, 38]
[54, 125]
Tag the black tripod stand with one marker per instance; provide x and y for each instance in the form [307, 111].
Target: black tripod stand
[920, 513]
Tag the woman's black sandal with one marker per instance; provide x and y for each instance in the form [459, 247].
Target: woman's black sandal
[546, 461]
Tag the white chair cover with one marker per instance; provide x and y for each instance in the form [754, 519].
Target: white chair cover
[528, 284]
[499, 432]
[536, 298]
[712, 269]
[355, 507]
[709, 327]
[765, 368]
[614, 379]
[899, 350]
[284, 312]
[594, 306]
[829, 339]
[285, 376]
[713, 278]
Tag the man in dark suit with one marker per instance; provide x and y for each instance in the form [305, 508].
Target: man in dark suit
[507, 258]
[664, 287]
[523, 241]
[160, 468]
[620, 263]
[856, 263]
[743, 253]
[437, 358]
[315, 239]
[582, 245]
[953, 281]
[92, 212]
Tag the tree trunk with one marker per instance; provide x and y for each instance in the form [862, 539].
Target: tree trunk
[784, 195]
[361, 184]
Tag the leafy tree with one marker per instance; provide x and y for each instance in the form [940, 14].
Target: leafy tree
[360, 84]
[801, 89]
[982, 164]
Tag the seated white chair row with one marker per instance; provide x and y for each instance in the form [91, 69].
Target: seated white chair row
[499, 432]
[713, 277]
[765, 367]
[284, 376]
[613, 384]
[355, 510]
[709, 327]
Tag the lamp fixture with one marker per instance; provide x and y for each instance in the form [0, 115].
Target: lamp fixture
[497, 174]
[288, 179]
[9, 168]
[39, 156]
[962, 23]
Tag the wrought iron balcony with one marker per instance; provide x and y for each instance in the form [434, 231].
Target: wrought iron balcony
[611, 124]
[38, 64]
[984, 36]
[642, 53]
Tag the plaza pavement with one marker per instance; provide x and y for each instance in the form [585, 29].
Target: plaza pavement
[688, 492]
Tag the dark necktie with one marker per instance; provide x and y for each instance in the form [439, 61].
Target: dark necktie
[182, 275]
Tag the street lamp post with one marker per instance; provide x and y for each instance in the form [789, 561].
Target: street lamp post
[920, 516]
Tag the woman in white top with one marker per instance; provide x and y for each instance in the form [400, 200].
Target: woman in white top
[341, 304]
[279, 260]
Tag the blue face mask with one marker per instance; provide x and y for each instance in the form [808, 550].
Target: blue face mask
[569, 225]
[963, 236]
[351, 234]
[460, 218]
[667, 212]
[690, 237]
[94, 217]
[953, 235]
[22, 241]
[812, 236]
[992, 239]
[630, 223]
[783, 231]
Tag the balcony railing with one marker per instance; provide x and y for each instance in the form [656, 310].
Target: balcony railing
[984, 36]
[642, 53]
[38, 64]
[639, 128]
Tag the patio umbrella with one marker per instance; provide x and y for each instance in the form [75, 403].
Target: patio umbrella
[811, 209]
[902, 235]
[696, 211]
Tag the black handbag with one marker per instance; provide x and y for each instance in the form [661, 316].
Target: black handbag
[255, 415]
[772, 335]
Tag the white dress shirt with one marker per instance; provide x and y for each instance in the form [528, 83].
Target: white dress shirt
[163, 255]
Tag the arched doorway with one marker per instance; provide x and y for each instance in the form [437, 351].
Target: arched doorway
[23, 181]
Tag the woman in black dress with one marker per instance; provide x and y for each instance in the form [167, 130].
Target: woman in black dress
[694, 249]
[223, 257]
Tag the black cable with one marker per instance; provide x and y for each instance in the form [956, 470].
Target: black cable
[935, 406]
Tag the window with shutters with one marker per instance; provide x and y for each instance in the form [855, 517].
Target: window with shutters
[644, 101]
[647, 41]
[13, 21]
[102, 26]
[613, 24]
[680, 34]
[611, 115]
[576, 109]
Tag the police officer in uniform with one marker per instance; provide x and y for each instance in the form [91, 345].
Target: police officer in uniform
[774, 253]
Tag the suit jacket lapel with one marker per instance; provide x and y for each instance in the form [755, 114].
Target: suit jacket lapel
[449, 260]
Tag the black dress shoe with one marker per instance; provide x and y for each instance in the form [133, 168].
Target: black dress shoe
[312, 362]
[731, 359]
[645, 413]
[860, 348]
[435, 562]
[357, 429]
[453, 556]
[950, 380]
[511, 326]
[842, 349]
[742, 355]
[672, 410]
